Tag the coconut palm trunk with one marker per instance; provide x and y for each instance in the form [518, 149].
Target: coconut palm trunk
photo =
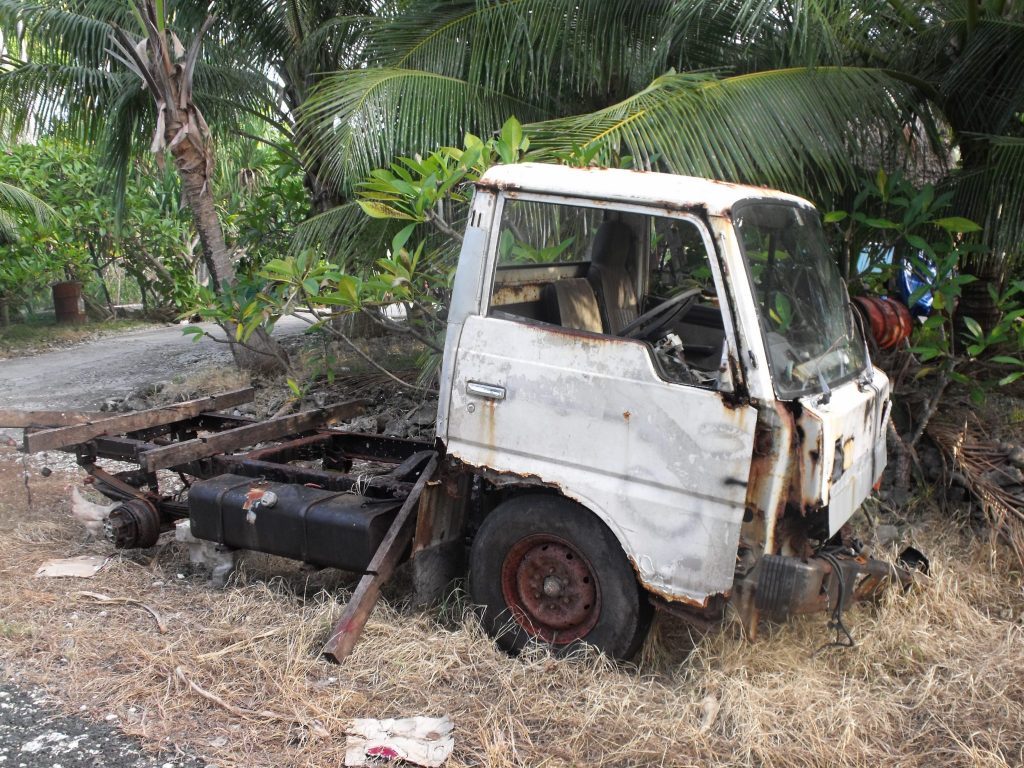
[167, 70]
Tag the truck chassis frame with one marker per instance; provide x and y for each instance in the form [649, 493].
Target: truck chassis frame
[197, 441]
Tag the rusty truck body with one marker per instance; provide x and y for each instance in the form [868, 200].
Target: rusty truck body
[654, 394]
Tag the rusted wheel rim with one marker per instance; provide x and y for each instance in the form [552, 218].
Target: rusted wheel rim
[550, 588]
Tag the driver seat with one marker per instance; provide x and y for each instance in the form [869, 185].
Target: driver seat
[611, 251]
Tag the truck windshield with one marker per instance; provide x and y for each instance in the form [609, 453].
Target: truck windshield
[813, 343]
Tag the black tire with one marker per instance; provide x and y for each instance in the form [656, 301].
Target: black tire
[583, 587]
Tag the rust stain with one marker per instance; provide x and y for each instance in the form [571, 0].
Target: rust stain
[626, 415]
[503, 477]
[671, 598]
[516, 293]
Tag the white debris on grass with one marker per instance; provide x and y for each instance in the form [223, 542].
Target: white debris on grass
[425, 741]
[84, 567]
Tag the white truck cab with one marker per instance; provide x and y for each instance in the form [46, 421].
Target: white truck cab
[661, 383]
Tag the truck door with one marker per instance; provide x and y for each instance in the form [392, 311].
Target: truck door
[597, 366]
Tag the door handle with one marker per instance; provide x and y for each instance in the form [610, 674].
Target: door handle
[488, 391]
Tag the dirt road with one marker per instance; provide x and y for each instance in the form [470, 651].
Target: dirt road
[84, 376]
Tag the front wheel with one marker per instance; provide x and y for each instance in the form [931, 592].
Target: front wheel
[544, 568]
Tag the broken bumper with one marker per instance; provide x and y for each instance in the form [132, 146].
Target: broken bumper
[782, 586]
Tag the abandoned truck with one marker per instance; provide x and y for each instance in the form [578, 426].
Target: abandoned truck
[654, 394]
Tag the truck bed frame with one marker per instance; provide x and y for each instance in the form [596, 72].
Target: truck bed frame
[197, 441]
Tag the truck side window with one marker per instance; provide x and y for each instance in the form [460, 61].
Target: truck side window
[691, 350]
[604, 271]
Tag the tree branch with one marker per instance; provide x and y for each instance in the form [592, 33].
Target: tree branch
[930, 410]
[352, 345]
[438, 221]
[232, 342]
[407, 329]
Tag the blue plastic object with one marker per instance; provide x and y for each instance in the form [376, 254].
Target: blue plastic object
[908, 281]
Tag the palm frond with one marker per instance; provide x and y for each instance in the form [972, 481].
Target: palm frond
[534, 49]
[8, 228]
[345, 235]
[129, 115]
[797, 129]
[756, 34]
[335, 44]
[985, 83]
[992, 194]
[73, 33]
[359, 120]
[16, 200]
[46, 94]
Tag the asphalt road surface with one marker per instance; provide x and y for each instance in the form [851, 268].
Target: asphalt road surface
[33, 735]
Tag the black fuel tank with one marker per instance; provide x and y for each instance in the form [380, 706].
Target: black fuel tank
[327, 528]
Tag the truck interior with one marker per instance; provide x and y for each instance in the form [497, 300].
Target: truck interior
[622, 274]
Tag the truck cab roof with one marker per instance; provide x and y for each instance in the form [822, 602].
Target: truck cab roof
[664, 190]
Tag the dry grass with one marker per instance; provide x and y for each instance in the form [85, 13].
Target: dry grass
[20, 339]
[209, 380]
[937, 677]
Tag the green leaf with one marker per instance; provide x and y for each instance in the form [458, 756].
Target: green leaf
[835, 216]
[919, 242]
[1007, 360]
[881, 180]
[294, 387]
[974, 328]
[1009, 379]
[512, 133]
[879, 223]
[278, 266]
[399, 240]
[382, 211]
[925, 371]
[956, 224]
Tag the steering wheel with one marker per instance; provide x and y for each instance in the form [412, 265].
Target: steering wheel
[652, 322]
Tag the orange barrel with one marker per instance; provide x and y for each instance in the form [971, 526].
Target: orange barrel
[68, 304]
[890, 321]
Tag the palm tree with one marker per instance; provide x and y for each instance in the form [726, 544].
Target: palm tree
[73, 85]
[261, 57]
[260, 60]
